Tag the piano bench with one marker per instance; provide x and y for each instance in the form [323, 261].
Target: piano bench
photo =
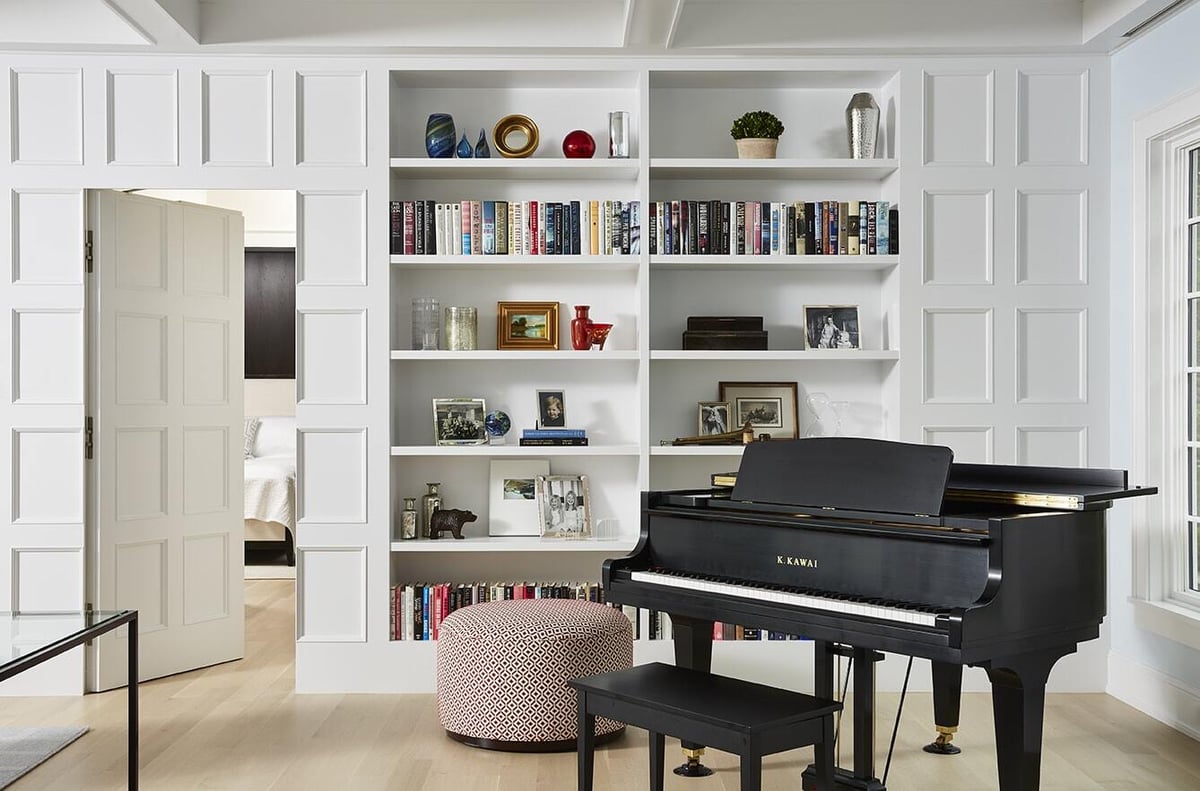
[749, 720]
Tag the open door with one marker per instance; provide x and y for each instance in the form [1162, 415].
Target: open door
[164, 476]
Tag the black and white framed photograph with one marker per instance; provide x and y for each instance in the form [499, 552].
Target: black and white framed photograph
[512, 496]
[769, 407]
[713, 418]
[459, 421]
[552, 408]
[564, 506]
[831, 327]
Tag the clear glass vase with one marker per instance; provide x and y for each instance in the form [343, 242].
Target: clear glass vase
[426, 323]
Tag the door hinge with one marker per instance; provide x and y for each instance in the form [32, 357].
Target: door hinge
[87, 252]
[88, 445]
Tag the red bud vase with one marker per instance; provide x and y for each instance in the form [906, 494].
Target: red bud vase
[580, 340]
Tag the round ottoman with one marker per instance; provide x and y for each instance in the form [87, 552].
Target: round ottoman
[502, 669]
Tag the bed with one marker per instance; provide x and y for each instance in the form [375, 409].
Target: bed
[270, 484]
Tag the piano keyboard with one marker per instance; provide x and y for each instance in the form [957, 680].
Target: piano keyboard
[895, 612]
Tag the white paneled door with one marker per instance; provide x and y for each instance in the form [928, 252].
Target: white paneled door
[165, 397]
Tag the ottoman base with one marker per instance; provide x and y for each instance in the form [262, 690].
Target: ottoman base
[560, 746]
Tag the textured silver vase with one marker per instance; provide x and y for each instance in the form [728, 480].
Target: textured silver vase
[862, 125]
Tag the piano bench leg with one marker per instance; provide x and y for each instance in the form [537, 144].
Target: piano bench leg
[657, 751]
[751, 770]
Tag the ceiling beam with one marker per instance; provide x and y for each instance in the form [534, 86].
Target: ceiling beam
[1106, 22]
[173, 24]
[649, 23]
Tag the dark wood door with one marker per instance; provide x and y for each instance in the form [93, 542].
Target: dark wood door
[270, 313]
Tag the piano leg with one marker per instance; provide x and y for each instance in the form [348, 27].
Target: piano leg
[693, 649]
[947, 696]
[862, 778]
[1018, 704]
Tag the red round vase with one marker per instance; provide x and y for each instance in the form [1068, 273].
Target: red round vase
[578, 144]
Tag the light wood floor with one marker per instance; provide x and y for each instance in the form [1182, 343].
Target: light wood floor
[240, 726]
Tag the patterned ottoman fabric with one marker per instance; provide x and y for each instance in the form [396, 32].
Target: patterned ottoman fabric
[502, 667]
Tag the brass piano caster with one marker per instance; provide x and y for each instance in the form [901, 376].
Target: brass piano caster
[942, 744]
[691, 767]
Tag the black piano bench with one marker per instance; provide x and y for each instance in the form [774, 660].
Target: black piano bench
[749, 720]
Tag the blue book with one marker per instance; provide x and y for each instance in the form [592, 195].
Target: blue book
[489, 227]
[552, 433]
[881, 228]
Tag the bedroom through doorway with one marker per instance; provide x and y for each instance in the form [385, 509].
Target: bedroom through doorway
[269, 379]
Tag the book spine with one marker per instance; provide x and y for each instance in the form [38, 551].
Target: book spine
[893, 231]
[476, 228]
[396, 242]
[410, 228]
[440, 223]
[535, 227]
[550, 442]
[576, 232]
[626, 237]
[553, 432]
[464, 224]
[843, 232]
[862, 228]
[594, 219]
[871, 227]
[419, 227]
[430, 228]
[635, 227]
[881, 226]
[852, 247]
[489, 227]
[501, 227]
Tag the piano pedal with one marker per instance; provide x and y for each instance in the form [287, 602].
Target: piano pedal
[691, 767]
[942, 744]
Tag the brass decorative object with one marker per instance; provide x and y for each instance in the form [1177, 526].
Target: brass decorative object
[741, 436]
[515, 123]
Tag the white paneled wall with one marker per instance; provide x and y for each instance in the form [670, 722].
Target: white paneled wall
[1002, 285]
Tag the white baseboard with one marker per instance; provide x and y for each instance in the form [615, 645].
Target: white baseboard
[1154, 693]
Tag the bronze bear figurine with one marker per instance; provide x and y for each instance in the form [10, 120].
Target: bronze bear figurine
[451, 519]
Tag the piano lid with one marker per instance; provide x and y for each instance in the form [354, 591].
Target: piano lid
[1067, 488]
[851, 473]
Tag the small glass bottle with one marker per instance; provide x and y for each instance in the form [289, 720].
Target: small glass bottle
[618, 134]
[408, 519]
[430, 502]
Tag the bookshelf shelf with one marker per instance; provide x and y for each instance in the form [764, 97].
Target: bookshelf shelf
[501, 451]
[531, 263]
[840, 355]
[516, 169]
[561, 355]
[698, 450]
[750, 169]
[776, 263]
[514, 544]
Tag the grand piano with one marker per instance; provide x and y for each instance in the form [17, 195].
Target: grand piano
[868, 546]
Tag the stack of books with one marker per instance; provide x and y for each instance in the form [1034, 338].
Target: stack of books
[553, 436]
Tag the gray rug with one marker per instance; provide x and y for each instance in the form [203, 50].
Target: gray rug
[21, 749]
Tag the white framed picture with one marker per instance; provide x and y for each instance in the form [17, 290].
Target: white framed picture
[831, 327]
[564, 506]
[512, 497]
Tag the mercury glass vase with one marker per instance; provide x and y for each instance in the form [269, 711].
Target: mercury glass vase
[462, 329]
[862, 125]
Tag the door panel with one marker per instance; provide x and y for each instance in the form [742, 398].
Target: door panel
[164, 488]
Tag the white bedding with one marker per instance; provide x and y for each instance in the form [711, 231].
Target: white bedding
[271, 490]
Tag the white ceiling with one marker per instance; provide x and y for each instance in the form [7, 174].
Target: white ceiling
[596, 26]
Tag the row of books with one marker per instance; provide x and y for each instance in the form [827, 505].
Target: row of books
[713, 227]
[554, 437]
[491, 227]
[656, 625]
[417, 610]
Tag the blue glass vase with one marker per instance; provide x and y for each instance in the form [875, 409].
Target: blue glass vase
[464, 147]
[439, 136]
[481, 148]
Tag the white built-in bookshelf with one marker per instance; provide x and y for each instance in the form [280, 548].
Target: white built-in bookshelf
[643, 388]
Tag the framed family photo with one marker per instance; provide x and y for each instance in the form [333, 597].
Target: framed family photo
[526, 325]
[459, 421]
[713, 418]
[770, 407]
[564, 506]
[512, 497]
[831, 327]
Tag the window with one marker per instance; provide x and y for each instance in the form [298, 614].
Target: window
[1166, 354]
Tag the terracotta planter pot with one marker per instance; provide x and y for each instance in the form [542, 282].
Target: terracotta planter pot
[757, 147]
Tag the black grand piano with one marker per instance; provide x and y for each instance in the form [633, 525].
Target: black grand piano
[867, 545]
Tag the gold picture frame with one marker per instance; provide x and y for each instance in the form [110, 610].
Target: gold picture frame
[527, 325]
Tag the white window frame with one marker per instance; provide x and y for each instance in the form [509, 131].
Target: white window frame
[1162, 601]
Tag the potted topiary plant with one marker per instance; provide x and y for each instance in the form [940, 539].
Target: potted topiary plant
[757, 134]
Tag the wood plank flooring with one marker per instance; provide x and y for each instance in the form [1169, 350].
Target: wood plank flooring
[240, 727]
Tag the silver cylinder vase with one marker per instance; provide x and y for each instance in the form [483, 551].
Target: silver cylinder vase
[862, 125]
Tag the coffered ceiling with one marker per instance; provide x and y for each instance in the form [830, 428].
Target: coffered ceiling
[595, 26]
